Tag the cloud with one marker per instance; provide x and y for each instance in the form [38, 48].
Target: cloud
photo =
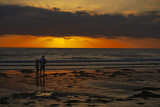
[24, 20]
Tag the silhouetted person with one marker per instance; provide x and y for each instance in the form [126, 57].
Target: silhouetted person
[42, 63]
[37, 67]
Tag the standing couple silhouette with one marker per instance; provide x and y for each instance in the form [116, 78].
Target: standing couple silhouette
[42, 63]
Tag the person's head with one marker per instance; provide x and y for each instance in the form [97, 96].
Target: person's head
[42, 56]
[37, 60]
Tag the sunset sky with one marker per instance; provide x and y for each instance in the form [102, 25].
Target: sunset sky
[80, 23]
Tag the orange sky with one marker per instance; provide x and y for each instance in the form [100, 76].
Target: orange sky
[100, 7]
[76, 42]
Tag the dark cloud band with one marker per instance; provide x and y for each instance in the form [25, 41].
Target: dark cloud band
[42, 22]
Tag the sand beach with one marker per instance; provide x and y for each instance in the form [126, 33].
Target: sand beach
[81, 88]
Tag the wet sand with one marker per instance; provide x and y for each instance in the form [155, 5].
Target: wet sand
[95, 88]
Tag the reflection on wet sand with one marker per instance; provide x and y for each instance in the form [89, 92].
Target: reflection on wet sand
[40, 81]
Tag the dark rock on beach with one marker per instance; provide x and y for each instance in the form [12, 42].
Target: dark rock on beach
[98, 100]
[147, 88]
[102, 100]
[117, 73]
[128, 70]
[54, 105]
[127, 99]
[23, 95]
[92, 105]
[141, 103]
[3, 75]
[73, 101]
[135, 80]
[82, 74]
[26, 71]
[4, 100]
[28, 103]
[59, 74]
[62, 74]
[145, 95]
[99, 71]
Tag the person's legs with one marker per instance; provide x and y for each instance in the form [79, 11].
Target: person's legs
[43, 70]
[37, 72]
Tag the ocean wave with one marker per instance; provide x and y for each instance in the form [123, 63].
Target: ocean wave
[80, 60]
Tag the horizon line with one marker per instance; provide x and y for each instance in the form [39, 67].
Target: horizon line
[78, 48]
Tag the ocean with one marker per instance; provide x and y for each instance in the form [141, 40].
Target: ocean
[80, 58]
